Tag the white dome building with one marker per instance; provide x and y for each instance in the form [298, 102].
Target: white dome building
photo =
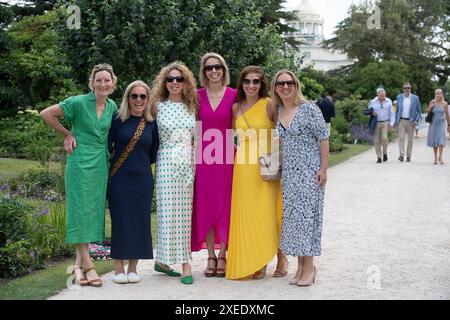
[309, 30]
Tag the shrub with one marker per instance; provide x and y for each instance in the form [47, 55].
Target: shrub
[44, 185]
[336, 143]
[27, 136]
[29, 236]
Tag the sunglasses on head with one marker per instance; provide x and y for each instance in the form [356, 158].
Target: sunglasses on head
[213, 66]
[290, 83]
[253, 81]
[134, 96]
[172, 79]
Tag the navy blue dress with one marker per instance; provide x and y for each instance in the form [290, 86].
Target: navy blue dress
[130, 190]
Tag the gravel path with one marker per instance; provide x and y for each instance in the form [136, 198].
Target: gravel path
[386, 236]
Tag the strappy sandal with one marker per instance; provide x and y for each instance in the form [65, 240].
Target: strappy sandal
[220, 272]
[211, 272]
[96, 282]
[279, 273]
[258, 275]
[81, 281]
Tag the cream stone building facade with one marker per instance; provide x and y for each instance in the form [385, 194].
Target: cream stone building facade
[309, 30]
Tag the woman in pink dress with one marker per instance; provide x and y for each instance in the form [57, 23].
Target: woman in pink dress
[214, 169]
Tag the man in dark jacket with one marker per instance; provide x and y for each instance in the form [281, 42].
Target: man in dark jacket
[328, 109]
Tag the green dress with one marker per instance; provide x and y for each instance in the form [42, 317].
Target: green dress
[86, 174]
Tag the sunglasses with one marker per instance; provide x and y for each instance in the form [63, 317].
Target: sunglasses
[213, 66]
[290, 83]
[172, 79]
[134, 96]
[406, 87]
[252, 81]
[103, 66]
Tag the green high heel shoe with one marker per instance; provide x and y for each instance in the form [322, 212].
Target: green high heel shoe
[170, 272]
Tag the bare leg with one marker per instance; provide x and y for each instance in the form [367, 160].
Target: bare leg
[186, 269]
[441, 150]
[87, 263]
[298, 275]
[132, 266]
[282, 265]
[308, 269]
[118, 266]
[435, 150]
[78, 271]
[222, 260]
[211, 252]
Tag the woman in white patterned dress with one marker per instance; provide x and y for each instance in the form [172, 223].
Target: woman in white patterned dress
[304, 136]
[174, 101]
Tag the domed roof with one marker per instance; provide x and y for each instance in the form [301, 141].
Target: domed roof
[305, 8]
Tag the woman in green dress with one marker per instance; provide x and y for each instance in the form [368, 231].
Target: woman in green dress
[86, 174]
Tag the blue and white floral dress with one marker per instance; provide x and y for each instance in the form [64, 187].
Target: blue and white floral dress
[303, 198]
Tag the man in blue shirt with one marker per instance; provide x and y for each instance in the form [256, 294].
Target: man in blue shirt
[382, 109]
[407, 117]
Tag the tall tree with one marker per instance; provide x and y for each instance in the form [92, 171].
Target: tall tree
[138, 37]
[412, 32]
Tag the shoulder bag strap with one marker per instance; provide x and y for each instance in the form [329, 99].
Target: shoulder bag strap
[243, 115]
[137, 135]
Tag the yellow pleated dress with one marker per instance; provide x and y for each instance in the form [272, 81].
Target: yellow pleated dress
[255, 204]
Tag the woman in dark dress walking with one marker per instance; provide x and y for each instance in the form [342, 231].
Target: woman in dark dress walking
[133, 142]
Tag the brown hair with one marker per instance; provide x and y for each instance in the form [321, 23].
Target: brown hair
[263, 89]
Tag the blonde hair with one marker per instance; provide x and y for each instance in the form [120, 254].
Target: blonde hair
[124, 110]
[299, 97]
[102, 67]
[159, 90]
[202, 74]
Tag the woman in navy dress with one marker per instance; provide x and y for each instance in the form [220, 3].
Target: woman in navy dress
[130, 188]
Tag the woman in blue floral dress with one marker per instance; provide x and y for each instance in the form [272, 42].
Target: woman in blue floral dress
[304, 137]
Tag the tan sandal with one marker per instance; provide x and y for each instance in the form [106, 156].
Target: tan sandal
[279, 273]
[220, 272]
[211, 272]
[81, 281]
[95, 282]
[258, 275]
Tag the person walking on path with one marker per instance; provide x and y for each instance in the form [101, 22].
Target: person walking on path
[86, 173]
[175, 103]
[214, 173]
[407, 117]
[439, 124]
[133, 142]
[304, 137]
[382, 109]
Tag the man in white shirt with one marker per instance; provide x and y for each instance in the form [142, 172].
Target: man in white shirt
[382, 109]
[407, 117]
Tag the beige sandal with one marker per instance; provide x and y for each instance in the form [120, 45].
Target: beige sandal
[96, 282]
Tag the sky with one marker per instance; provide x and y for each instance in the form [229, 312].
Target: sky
[332, 11]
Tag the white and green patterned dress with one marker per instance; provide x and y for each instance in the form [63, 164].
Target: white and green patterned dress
[174, 182]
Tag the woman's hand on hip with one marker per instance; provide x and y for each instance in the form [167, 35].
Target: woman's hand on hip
[321, 177]
[70, 143]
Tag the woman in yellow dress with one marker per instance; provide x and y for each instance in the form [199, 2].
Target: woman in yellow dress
[254, 229]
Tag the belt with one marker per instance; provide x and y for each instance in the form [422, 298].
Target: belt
[404, 118]
[383, 121]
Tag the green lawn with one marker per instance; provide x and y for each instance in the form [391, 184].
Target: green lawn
[349, 151]
[46, 283]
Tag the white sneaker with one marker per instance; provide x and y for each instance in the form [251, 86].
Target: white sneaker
[133, 277]
[120, 278]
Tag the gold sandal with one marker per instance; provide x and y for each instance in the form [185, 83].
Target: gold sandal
[220, 272]
[96, 282]
[81, 281]
[211, 272]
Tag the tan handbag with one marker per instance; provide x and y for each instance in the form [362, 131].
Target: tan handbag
[270, 164]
